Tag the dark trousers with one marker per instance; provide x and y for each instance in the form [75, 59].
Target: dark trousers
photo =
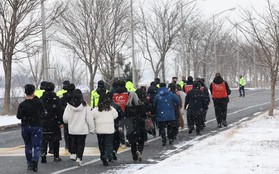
[204, 117]
[116, 140]
[32, 137]
[54, 145]
[195, 119]
[122, 136]
[136, 146]
[241, 91]
[78, 145]
[170, 131]
[220, 107]
[105, 142]
[67, 138]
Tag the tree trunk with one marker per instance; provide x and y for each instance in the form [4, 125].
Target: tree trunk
[204, 71]
[272, 102]
[163, 70]
[188, 67]
[8, 78]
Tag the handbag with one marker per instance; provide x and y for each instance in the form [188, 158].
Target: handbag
[149, 126]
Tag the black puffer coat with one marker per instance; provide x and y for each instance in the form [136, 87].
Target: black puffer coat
[134, 117]
[53, 116]
[196, 101]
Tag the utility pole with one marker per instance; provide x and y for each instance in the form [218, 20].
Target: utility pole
[134, 72]
[44, 57]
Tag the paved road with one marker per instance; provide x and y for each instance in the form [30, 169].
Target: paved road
[12, 158]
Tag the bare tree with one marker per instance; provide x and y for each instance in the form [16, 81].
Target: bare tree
[33, 66]
[261, 32]
[82, 31]
[117, 33]
[158, 32]
[19, 22]
[72, 70]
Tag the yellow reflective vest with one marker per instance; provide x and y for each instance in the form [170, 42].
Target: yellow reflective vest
[95, 98]
[242, 81]
[61, 92]
[39, 93]
[130, 86]
[181, 83]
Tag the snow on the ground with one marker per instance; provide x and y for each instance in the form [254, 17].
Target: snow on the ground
[8, 120]
[249, 148]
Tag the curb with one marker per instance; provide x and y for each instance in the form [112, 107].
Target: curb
[9, 126]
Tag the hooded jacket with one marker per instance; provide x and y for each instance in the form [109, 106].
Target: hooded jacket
[104, 121]
[164, 102]
[79, 119]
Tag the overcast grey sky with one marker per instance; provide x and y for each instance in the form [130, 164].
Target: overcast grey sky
[210, 7]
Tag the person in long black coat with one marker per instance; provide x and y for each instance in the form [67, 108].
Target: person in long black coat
[134, 117]
[205, 91]
[118, 125]
[67, 98]
[197, 104]
[52, 122]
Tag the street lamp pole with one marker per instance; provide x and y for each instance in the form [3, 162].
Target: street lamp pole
[134, 72]
[44, 56]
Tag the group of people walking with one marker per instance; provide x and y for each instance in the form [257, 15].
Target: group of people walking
[115, 115]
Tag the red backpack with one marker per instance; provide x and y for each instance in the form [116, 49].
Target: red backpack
[121, 99]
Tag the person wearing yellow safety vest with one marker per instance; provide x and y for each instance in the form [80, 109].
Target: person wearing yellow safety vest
[95, 94]
[130, 86]
[242, 83]
[64, 89]
[182, 82]
[157, 82]
[39, 92]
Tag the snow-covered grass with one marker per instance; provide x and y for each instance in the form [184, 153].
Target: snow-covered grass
[8, 120]
[251, 147]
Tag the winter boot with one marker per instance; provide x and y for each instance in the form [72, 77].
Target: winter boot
[43, 160]
[35, 166]
[29, 166]
[105, 162]
[114, 157]
[225, 123]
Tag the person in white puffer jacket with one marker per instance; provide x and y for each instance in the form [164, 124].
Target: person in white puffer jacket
[104, 116]
[79, 118]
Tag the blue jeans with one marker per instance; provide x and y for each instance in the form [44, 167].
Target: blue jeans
[32, 137]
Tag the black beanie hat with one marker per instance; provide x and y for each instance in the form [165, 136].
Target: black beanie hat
[71, 87]
[101, 84]
[43, 85]
[65, 84]
[50, 86]
[163, 85]
[29, 89]
[190, 79]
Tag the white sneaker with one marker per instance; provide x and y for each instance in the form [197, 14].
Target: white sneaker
[73, 157]
[123, 146]
[139, 156]
[79, 162]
